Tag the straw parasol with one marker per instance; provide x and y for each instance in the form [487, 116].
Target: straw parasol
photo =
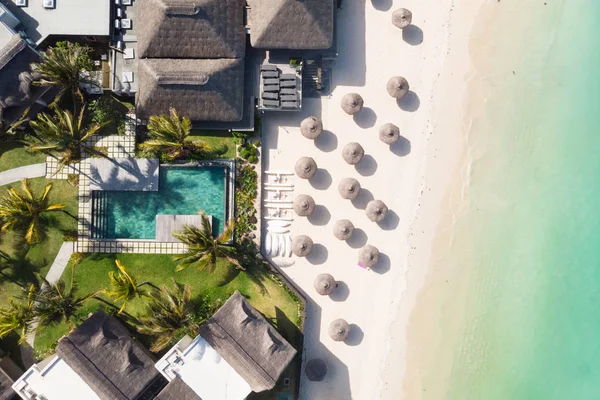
[302, 245]
[368, 255]
[349, 188]
[389, 133]
[324, 284]
[352, 103]
[376, 210]
[343, 229]
[315, 370]
[311, 127]
[339, 330]
[353, 152]
[304, 205]
[397, 87]
[306, 167]
[401, 18]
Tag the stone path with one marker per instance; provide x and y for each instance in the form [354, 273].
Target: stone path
[60, 262]
[28, 171]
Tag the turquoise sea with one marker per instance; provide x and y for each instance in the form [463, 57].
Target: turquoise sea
[528, 235]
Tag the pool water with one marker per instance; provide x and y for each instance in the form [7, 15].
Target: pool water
[182, 191]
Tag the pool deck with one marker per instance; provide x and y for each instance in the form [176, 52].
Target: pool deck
[166, 224]
[124, 174]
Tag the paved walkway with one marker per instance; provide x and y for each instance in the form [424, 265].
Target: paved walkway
[60, 262]
[28, 171]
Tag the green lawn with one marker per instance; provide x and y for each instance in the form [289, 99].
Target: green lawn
[13, 155]
[216, 139]
[32, 259]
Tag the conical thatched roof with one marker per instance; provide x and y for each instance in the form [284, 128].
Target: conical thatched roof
[349, 188]
[311, 127]
[353, 152]
[397, 87]
[343, 229]
[315, 370]
[376, 210]
[306, 167]
[368, 255]
[401, 18]
[304, 205]
[339, 330]
[389, 133]
[352, 103]
[302, 245]
[324, 284]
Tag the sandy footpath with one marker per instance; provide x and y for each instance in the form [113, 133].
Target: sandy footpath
[377, 303]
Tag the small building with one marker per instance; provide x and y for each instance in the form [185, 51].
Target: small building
[98, 360]
[237, 352]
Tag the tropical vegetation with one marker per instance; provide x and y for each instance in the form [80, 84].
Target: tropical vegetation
[124, 287]
[62, 134]
[168, 138]
[245, 197]
[24, 211]
[204, 248]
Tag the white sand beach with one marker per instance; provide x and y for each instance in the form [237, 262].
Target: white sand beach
[411, 177]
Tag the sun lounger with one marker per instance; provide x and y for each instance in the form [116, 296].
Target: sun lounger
[271, 88]
[267, 67]
[289, 104]
[288, 97]
[272, 81]
[271, 103]
[288, 91]
[287, 84]
[288, 77]
[270, 74]
[270, 95]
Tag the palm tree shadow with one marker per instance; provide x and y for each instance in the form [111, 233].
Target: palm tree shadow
[229, 276]
[19, 269]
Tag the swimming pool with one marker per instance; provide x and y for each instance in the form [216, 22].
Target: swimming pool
[181, 190]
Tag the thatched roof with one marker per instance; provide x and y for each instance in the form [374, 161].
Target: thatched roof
[324, 284]
[397, 87]
[16, 58]
[376, 210]
[304, 205]
[302, 245]
[343, 229]
[311, 127]
[291, 24]
[352, 153]
[389, 133]
[202, 90]
[191, 29]
[102, 352]
[315, 370]
[244, 338]
[352, 103]
[401, 18]
[6, 391]
[177, 389]
[306, 167]
[368, 255]
[339, 329]
[349, 188]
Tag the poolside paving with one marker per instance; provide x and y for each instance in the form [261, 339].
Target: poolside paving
[124, 174]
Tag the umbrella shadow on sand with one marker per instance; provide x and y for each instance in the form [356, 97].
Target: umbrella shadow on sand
[412, 35]
[383, 264]
[327, 141]
[318, 255]
[409, 102]
[367, 165]
[341, 292]
[358, 239]
[363, 198]
[321, 180]
[402, 147]
[355, 335]
[320, 216]
[365, 118]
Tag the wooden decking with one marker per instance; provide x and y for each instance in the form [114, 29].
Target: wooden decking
[166, 224]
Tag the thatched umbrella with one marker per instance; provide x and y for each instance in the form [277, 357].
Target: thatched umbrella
[368, 255]
[311, 127]
[343, 229]
[304, 205]
[339, 330]
[402, 18]
[352, 103]
[376, 210]
[389, 133]
[397, 87]
[315, 370]
[349, 188]
[324, 284]
[306, 167]
[353, 152]
[302, 245]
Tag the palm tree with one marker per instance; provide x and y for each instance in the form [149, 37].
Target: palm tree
[62, 133]
[168, 135]
[18, 317]
[203, 248]
[25, 210]
[170, 312]
[55, 303]
[124, 286]
[62, 66]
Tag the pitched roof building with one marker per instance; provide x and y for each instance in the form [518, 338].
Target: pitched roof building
[291, 24]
